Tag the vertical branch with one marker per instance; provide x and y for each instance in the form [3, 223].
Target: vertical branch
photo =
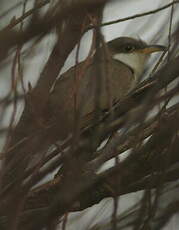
[170, 30]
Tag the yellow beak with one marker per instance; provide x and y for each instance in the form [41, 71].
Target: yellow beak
[151, 49]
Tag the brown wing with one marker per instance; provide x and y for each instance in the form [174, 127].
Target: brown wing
[70, 95]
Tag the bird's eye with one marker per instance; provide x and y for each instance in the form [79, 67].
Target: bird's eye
[129, 48]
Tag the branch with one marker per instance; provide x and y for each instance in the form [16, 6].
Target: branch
[136, 15]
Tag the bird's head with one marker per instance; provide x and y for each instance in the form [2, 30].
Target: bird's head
[132, 52]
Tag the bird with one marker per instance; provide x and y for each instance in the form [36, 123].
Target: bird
[125, 62]
[92, 85]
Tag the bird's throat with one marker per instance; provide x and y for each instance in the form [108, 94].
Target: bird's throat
[134, 61]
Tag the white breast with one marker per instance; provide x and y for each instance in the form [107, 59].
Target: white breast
[134, 60]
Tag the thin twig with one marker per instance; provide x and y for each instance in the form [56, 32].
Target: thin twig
[24, 16]
[136, 15]
[170, 31]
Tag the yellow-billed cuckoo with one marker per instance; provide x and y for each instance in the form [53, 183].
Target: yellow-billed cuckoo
[125, 62]
[117, 74]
